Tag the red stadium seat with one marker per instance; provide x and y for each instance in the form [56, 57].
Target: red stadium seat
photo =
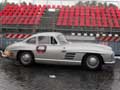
[87, 21]
[48, 6]
[1, 20]
[10, 21]
[64, 23]
[71, 17]
[26, 21]
[70, 21]
[68, 16]
[58, 6]
[37, 20]
[93, 22]
[98, 21]
[76, 23]
[0, 14]
[20, 14]
[110, 22]
[104, 22]
[82, 22]
[87, 11]
[4, 20]
[116, 23]
[53, 6]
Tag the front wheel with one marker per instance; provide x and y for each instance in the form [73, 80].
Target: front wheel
[26, 58]
[92, 62]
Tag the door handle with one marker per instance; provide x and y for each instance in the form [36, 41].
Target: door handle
[63, 51]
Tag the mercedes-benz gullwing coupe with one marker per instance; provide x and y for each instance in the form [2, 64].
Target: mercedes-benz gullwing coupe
[53, 48]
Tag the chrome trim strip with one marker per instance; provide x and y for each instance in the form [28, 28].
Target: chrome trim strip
[117, 57]
[2, 54]
[57, 60]
[112, 62]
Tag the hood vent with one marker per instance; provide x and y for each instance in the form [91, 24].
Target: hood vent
[69, 56]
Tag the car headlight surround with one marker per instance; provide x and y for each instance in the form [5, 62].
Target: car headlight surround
[8, 53]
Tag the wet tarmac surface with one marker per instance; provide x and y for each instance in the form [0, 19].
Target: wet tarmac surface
[51, 77]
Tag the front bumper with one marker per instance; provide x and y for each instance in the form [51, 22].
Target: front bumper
[112, 62]
[2, 54]
[109, 59]
[7, 54]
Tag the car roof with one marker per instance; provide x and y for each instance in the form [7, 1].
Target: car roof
[46, 34]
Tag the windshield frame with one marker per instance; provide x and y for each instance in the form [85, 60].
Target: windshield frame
[61, 39]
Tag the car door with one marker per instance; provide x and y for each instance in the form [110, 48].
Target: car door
[49, 49]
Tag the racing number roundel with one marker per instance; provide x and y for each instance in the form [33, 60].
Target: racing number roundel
[41, 49]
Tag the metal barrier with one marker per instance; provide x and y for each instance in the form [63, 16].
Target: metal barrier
[114, 45]
[4, 42]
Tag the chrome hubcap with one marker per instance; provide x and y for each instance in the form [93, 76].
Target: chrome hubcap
[92, 62]
[26, 59]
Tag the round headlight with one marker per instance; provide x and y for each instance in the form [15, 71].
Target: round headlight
[8, 53]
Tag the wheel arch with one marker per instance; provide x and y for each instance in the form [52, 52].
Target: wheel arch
[99, 56]
[20, 51]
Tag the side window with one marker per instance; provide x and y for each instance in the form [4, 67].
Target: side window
[32, 40]
[43, 40]
[53, 41]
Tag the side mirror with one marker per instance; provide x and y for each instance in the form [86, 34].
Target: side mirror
[41, 49]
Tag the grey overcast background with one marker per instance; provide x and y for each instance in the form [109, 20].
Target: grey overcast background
[61, 2]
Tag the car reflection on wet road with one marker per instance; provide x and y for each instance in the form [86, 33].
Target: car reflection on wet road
[37, 77]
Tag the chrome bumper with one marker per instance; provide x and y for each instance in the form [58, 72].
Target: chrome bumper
[109, 59]
[117, 57]
[2, 55]
[112, 62]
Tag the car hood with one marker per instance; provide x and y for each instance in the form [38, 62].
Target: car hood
[17, 46]
[83, 47]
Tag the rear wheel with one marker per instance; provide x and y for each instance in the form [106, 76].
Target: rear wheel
[26, 58]
[92, 62]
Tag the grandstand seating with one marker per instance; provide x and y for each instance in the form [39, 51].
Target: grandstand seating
[22, 14]
[89, 16]
[77, 16]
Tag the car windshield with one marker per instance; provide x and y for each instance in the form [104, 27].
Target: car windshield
[62, 39]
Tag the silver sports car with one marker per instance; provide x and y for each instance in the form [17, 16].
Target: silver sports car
[53, 48]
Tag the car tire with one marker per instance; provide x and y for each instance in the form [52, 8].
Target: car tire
[26, 58]
[92, 62]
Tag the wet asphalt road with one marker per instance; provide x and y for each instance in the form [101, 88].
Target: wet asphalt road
[36, 77]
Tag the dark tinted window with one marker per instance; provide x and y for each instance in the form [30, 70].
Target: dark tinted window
[62, 39]
[32, 40]
[43, 40]
[53, 41]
